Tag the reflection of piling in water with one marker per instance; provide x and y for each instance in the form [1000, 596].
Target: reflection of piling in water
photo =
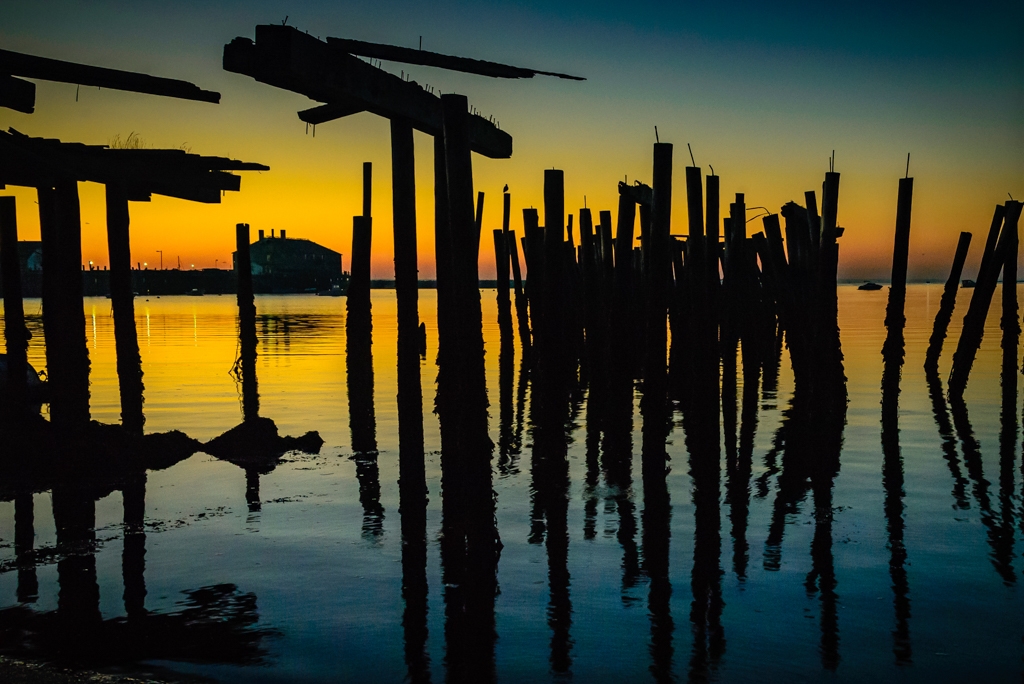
[941, 412]
[739, 469]
[246, 367]
[945, 312]
[24, 544]
[706, 574]
[133, 556]
[78, 601]
[67, 353]
[549, 483]
[893, 506]
[992, 262]
[16, 335]
[122, 301]
[1000, 539]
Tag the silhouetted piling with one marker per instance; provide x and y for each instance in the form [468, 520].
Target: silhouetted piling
[945, 312]
[658, 280]
[122, 300]
[403, 183]
[67, 353]
[246, 324]
[894, 314]
[522, 312]
[501, 261]
[1010, 321]
[465, 241]
[974, 322]
[16, 335]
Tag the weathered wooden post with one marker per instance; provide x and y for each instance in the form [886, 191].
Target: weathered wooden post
[522, 313]
[465, 239]
[15, 332]
[553, 341]
[122, 299]
[974, 322]
[410, 392]
[659, 272]
[403, 183]
[1010, 323]
[67, 352]
[894, 318]
[712, 230]
[945, 313]
[246, 323]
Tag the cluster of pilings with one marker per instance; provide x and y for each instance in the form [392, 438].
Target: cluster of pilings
[673, 312]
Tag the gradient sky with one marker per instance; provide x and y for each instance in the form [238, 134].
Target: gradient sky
[764, 94]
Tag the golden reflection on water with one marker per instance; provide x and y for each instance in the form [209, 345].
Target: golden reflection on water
[190, 345]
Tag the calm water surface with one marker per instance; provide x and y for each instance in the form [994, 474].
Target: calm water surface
[323, 573]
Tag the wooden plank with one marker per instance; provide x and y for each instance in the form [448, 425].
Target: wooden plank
[394, 53]
[330, 112]
[283, 57]
[17, 94]
[43, 68]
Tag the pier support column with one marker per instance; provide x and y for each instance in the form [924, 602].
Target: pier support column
[15, 332]
[67, 352]
[122, 299]
[246, 324]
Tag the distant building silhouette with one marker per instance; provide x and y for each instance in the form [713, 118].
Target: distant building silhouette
[282, 265]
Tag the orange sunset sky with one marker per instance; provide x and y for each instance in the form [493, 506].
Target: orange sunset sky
[761, 101]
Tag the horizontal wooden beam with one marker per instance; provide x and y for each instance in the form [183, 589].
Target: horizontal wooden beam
[330, 112]
[43, 68]
[283, 57]
[17, 94]
[393, 53]
[40, 162]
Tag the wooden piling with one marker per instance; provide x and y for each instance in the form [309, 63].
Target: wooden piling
[367, 187]
[712, 233]
[403, 184]
[522, 313]
[246, 323]
[658, 279]
[465, 236]
[945, 313]
[122, 300]
[554, 341]
[1010, 322]
[15, 333]
[359, 281]
[974, 322]
[67, 352]
[894, 314]
[501, 264]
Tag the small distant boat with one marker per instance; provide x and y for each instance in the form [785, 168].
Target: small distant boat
[968, 283]
[335, 291]
[870, 286]
[195, 292]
